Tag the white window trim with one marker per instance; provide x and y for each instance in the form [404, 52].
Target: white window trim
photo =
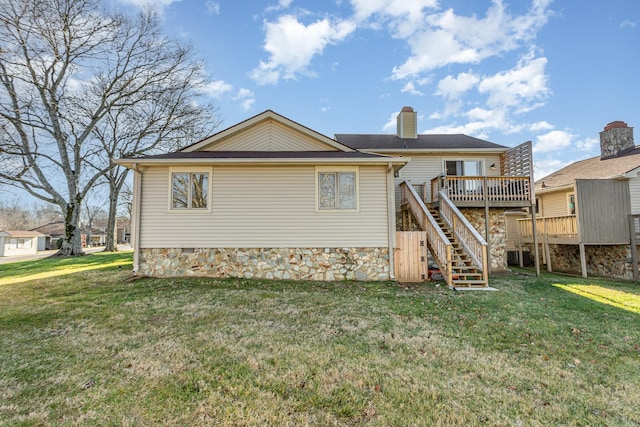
[483, 171]
[346, 169]
[190, 169]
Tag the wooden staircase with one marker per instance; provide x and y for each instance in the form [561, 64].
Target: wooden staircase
[456, 246]
[464, 272]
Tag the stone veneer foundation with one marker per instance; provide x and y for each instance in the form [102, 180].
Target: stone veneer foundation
[604, 261]
[326, 264]
[497, 233]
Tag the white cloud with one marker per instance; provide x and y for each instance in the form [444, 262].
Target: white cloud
[519, 86]
[246, 98]
[628, 24]
[411, 89]
[392, 123]
[292, 46]
[213, 8]
[556, 140]
[217, 88]
[540, 126]
[547, 166]
[453, 39]
[404, 17]
[159, 5]
[588, 145]
[282, 4]
[453, 87]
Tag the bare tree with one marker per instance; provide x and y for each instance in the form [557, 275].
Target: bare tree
[68, 69]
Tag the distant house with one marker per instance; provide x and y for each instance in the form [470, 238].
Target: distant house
[588, 212]
[19, 242]
[271, 198]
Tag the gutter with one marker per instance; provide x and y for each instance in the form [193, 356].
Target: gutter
[137, 204]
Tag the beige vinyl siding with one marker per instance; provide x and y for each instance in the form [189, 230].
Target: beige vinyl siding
[555, 204]
[256, 207]
[423, 168]
[269, 136]
[634, 191]
[512, 229]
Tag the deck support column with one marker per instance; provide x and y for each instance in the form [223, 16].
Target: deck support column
[583, 260]
[534, 230]
[634, 247]
[487, 223]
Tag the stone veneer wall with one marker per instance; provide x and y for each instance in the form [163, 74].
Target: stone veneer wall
[605, 261]
[497, 233]
[327, 264]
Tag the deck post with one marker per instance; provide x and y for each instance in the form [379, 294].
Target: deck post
[534, 230]
[583, 260]
[487, 223]
[634, 247]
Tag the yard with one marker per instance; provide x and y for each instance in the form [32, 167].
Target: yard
[81, 345]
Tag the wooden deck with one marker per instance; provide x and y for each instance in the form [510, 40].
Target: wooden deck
[482, 191]
[555, 230]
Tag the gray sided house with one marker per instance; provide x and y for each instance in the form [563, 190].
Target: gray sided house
[588, 213]
[270, 198]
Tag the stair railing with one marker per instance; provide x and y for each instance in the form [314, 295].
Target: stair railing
[467, 235]
[440, 246]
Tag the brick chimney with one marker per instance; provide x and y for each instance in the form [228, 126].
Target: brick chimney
[615, 139]
[407, 123]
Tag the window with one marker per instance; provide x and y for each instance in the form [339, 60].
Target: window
[24, 244]
[189, 190]
[571, 203]
[463, 167]
[337, 190]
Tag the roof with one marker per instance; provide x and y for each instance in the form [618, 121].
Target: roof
[261, 118]
[20, 233]
[262, 157]
[593, 168]
[424, 142]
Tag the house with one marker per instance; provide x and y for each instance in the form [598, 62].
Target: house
[588, 212]
[265, 198]
[270, 198]
[19, 242]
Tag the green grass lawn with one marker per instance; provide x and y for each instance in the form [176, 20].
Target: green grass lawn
[81, 345]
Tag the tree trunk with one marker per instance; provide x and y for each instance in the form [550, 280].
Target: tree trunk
[111, 243]
[72, 240]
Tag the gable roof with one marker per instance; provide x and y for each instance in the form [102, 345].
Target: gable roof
[593, 168]
[263, 118]
[423, 143]
[20, 233]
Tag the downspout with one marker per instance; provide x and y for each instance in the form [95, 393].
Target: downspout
[391, 215]
[137, 203]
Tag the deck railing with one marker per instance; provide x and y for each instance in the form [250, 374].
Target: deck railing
[441, 247]
[557, 226]
[481, 188]
[467, 235]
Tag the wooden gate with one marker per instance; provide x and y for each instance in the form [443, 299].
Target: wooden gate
[411, 256]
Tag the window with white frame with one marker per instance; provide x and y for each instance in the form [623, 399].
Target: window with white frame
[190, 190]
[337, 189]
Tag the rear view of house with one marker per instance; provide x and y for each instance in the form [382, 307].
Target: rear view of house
[270, 198]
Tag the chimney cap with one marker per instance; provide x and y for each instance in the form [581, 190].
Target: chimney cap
[407, 109]
[614, 125]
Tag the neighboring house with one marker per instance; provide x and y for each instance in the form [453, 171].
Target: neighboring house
[270, 198]
[19, 242]
[585, 209]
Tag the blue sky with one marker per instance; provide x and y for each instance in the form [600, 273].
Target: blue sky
[553, 72]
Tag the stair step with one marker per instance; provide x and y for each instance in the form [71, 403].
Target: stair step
[461, 283]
